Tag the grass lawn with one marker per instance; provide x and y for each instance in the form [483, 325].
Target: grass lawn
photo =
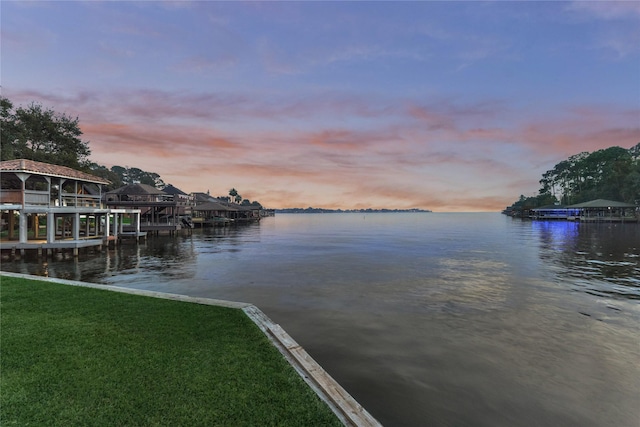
[73, 356]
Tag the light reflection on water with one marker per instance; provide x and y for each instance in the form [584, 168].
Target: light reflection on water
[427, 319]
[600, 259]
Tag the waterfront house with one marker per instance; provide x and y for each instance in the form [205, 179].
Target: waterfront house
[247, 213]
[201, 198]
[47, 206]
[177, 194]
[213, 213]
[218, 212]
[160, 211]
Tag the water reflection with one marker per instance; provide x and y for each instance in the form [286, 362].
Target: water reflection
[474, 284]
[600, 259]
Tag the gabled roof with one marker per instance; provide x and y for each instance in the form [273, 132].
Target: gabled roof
[137, 190]
[170, 189]
[47, 169]
[203, 197]
[602, 203]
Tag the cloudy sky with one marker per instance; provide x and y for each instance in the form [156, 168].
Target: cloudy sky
[449, 106]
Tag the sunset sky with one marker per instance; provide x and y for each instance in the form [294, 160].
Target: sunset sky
[448, 106]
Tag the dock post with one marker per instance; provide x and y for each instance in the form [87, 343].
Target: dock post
[24, 227]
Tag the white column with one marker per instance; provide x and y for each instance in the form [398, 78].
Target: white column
[116, 228]
[137, 219]
[107, 220]
[48, 179]
[76, 226]
[51, 227]
[24, 228]
[62, 180]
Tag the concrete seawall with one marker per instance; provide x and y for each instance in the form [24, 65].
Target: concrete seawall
[343, 405]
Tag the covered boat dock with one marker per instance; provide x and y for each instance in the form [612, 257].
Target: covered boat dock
[51, 207]
[601, 210]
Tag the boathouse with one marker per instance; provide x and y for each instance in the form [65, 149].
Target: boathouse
[554, 212]
[246, 213]
[47, 206]
[602, 210]
[213, 214]
[212, 211]
[599, 210]
[160, 211]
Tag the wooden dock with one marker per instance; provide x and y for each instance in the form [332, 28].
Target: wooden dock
[42, 246]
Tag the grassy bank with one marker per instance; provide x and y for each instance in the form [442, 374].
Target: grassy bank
[89, 357]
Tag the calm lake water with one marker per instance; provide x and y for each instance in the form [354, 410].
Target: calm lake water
[425, 318]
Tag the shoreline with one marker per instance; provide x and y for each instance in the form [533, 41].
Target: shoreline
[341, 403]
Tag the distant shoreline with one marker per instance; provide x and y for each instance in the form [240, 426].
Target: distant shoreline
[369, 210]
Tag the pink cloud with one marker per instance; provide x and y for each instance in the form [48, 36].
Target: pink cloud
[434, 120]
[582, 130]
[343, 140]
[442, 157]
[168, 142]
[237, 107]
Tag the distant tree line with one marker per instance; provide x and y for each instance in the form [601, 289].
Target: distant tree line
[367, 210]
[119, 176]
[611, 173]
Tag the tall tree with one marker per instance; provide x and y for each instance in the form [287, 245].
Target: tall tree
[106, 173]
[635, 152]
[42, 134]
[607, 170]
[8, 131]
[233, 193]
[610, 173]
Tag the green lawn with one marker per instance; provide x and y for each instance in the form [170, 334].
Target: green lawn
[73, 356]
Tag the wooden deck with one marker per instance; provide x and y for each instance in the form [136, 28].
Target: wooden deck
[67, 243]
[58, 244]
[42, 246]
